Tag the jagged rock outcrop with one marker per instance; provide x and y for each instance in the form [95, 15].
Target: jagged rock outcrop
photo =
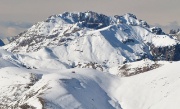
[157, 30]
[168, 53]
[1, 43]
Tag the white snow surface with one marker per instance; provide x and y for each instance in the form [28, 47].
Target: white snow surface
[84, 88]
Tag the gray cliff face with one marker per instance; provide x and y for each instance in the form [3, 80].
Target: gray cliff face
[169, 53]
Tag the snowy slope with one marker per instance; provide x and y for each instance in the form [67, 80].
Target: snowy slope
[84, 89]
[53, 89]
[14, 81]
[156, 89]
[88, 88]
[134, 68]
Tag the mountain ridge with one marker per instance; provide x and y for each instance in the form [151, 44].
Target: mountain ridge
[125, 31]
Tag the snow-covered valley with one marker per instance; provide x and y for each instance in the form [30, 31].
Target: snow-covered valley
[90, 61]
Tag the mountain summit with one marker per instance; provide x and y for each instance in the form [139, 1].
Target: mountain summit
[94, 20]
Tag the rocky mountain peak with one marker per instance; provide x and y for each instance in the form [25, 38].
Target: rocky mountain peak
[131, 19]
[87, 19]
[95, 20]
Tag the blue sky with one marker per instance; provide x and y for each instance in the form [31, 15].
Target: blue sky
[18, 15]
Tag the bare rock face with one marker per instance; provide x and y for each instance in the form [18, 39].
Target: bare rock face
[1, 43]
[157, 30]
[168, 53]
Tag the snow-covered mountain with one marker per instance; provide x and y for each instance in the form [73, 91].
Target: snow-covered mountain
[125, 38]
[87, 60]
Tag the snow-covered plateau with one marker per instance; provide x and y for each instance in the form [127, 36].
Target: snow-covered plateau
[86, 60]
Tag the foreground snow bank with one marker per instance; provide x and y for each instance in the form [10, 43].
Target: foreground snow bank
[76, 88]
[88, 88]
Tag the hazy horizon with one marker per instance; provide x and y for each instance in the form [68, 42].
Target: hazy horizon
[16, 16]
